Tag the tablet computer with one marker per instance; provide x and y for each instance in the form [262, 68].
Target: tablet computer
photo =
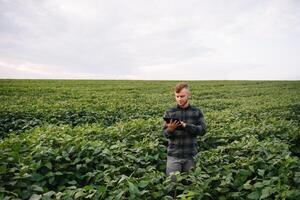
[168, 119]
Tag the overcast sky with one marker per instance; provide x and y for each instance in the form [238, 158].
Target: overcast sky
[148, 39]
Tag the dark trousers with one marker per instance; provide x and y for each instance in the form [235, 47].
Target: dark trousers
[179, 164]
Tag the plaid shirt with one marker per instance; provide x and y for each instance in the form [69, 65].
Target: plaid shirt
[183, 142]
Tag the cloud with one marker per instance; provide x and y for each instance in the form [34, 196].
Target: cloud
[143, 39]
[40, 71]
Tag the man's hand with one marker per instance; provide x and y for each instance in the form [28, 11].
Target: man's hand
[183, 124]
[173, 125]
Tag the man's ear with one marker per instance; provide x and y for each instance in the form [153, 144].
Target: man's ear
[189, 95]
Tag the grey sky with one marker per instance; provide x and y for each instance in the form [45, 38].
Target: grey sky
[144, 39]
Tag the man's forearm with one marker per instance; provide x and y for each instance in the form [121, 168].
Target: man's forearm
[196, 129]
[169, 134]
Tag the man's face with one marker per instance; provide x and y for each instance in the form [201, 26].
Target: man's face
[182, 97]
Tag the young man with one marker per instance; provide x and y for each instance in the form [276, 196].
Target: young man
[182, 133]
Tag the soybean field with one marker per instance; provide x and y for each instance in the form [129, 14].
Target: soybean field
[102, 139]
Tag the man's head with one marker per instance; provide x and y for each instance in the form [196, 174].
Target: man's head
[182, 94]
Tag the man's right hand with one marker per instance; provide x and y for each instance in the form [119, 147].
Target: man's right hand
[173, 125]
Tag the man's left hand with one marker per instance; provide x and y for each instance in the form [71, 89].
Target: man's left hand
[183, 124]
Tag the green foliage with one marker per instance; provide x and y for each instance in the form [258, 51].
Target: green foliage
[103, 140]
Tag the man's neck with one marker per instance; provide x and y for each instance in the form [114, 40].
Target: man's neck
[185, 105]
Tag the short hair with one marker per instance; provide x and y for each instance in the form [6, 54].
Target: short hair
[180, 86]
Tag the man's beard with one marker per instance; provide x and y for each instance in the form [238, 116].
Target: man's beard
[182, 105]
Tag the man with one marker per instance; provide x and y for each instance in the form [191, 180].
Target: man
[182, 133]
